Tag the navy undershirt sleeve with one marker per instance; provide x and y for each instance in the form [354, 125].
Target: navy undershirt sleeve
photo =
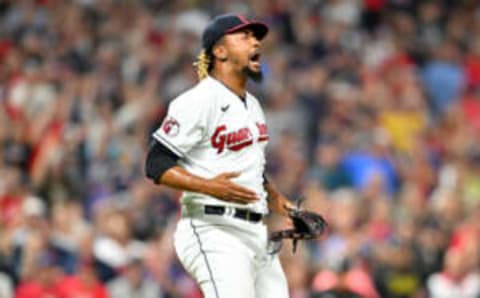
[159, 160]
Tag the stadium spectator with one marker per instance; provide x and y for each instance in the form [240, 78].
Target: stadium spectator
[374, 115]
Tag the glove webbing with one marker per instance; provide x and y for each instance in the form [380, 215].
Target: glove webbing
[279, 235]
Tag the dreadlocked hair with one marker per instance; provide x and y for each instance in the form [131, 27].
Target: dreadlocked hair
[203, 64]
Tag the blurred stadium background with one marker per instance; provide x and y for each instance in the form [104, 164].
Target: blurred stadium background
[373, 110]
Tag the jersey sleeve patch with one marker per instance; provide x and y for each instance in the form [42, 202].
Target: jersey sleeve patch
[171, 127]
[184, 125]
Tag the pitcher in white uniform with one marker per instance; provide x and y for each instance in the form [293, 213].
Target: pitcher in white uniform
[211, 145]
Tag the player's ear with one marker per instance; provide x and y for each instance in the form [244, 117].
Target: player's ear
[220, 51]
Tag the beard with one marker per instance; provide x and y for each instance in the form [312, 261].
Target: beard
[256, 76]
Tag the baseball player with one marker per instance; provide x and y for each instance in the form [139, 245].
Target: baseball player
[211, 145]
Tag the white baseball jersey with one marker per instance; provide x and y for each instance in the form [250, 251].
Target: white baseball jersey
[214, 131]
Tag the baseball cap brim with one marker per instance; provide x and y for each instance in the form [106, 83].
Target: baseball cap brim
[259, 29]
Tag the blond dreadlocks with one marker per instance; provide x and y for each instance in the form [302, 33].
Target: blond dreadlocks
[203, 65]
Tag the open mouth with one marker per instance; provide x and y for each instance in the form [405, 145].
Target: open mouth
[255, 57]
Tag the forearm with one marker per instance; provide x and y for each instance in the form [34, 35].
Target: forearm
[178, 178]
[161, 166]
[276, 201]
[219, 187]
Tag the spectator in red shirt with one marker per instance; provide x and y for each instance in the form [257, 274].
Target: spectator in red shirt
[85, 284]
[44, 283]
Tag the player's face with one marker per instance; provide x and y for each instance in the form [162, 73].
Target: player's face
[243, 50]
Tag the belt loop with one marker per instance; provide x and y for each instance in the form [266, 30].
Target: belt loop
[230, 211]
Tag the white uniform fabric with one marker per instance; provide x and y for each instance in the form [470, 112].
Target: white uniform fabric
[214, 131]
[228, 257]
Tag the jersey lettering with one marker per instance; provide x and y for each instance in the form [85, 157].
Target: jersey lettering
[262, 131]
[218, 139]
[234, 141]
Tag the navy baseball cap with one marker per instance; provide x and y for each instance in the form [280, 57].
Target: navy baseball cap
[229, 23]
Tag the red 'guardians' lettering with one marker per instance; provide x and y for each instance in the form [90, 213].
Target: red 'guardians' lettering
[262, 132]
[235, 140]
[218, 139]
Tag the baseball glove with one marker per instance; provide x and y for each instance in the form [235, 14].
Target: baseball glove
[306, 225]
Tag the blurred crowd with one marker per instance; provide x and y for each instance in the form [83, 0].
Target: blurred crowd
[373, 111]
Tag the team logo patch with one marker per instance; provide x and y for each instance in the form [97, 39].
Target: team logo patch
[171, 127]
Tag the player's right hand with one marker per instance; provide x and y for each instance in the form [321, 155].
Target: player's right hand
[221, 187]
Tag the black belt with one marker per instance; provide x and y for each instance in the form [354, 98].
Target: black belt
[239, 213]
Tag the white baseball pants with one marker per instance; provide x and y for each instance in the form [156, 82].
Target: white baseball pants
[228, 257]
